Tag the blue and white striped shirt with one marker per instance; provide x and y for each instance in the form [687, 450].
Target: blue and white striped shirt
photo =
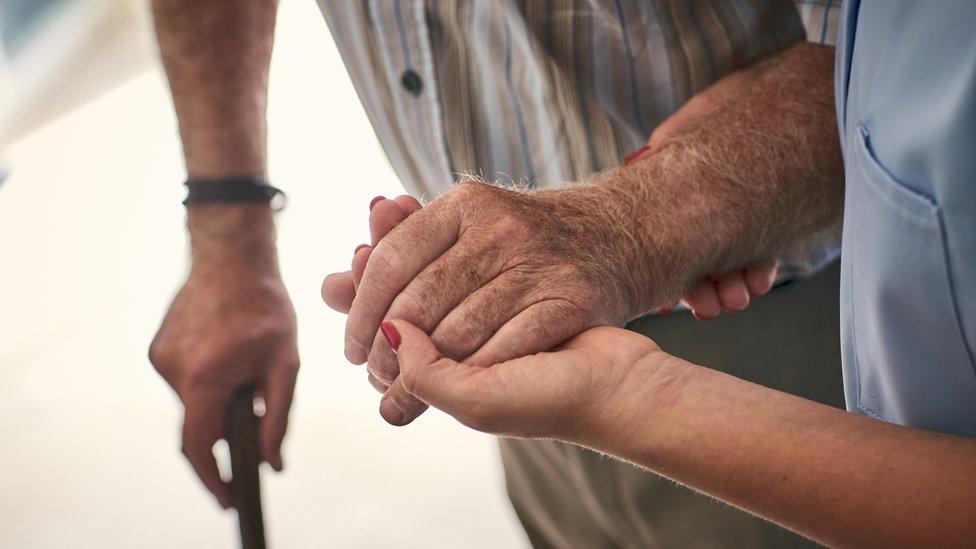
[544, 92]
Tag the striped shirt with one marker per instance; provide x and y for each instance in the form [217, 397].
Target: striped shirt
[544, 92]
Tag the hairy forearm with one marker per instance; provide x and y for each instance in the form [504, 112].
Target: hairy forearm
[216, 54]
[836, 477]
[760, 176]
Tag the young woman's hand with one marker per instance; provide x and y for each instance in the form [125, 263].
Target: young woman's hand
[601, 378]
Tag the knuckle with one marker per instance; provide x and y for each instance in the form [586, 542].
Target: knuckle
[466, 189]
[385, 371]
[159, 356]
[460, 337]
[386, 264]
[188, 452]
[408, 378]
[508, 226]
[402, 399]
[415, 304]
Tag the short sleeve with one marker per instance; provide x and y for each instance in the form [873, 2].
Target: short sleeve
[820, 19]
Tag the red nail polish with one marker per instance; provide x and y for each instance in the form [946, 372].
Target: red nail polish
[375, 200]
[664, 310]
[632, 157]
[360, 247]
[392, 335]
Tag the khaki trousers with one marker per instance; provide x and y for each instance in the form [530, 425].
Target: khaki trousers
[567, 496]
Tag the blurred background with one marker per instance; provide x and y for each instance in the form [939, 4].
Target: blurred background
[92, 248]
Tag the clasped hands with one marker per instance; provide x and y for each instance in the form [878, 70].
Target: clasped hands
[503, 308]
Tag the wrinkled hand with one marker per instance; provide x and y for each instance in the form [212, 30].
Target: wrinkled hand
[730, 292]
[600, 377]
[226, 329]
[492, 274]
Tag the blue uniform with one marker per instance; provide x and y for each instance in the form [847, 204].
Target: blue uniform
[906, 107]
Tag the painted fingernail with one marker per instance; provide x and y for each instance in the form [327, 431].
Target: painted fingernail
[632, 157]
[360, 247]
[392, 335]
[664, 310]
[375, 200]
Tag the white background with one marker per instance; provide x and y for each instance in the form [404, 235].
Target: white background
[91, 249]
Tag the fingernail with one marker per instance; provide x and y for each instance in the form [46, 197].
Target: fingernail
[360, 247]
[392, 335]
[632, 157]
[664, 310]
[702, 318]
[375, 200]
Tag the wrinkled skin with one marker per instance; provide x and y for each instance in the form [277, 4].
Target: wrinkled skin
[730, 292]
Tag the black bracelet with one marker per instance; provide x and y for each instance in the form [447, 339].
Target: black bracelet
[245, 188]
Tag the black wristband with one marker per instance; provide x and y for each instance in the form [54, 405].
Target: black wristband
[245, 188]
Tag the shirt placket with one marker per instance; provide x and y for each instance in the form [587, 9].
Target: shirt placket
[409, 68]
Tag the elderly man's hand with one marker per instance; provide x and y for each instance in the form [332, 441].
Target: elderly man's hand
[730, 292]
[230, 326]
[492, 274]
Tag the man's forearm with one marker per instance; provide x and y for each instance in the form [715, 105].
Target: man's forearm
[836, 477]
[761, 175]
[216, 54]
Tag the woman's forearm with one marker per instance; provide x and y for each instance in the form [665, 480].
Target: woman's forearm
[839, 478]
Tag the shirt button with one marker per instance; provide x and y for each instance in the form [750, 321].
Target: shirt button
[412, 82]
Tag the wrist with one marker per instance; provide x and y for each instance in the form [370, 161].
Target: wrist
[677, 235]
[633, 239]
[235, 237]
[641, 409]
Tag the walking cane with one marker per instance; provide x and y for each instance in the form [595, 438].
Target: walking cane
[245, 486]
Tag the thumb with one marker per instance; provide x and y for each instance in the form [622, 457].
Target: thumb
[426, 374]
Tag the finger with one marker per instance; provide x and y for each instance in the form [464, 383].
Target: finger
[468, 326]
[377, 384]
[408, 204]
[384, 215]
[398, 407]
[427, 375]
[732, 292]
[538, 328]
[393, 263]
[433, 294]
[359, 260]
[759, 278]
[338, 291]
[703, 300]
[279, 388]
[203, 426]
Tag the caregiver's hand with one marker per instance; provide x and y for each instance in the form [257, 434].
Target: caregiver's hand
[601, 377]
[231, 325]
